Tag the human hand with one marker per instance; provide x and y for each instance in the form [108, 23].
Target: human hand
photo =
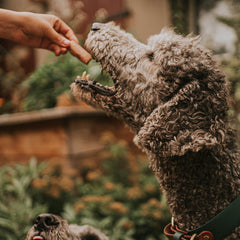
[45, 31]
[36, 30]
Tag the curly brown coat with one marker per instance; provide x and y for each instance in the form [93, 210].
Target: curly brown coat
[174, 97]
[48, 226]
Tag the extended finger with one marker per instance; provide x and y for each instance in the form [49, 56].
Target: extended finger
[57, 38]
[65, 30]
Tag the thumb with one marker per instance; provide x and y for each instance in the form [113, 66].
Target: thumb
[57, 38]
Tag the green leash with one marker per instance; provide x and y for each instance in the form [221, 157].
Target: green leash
[222, 225]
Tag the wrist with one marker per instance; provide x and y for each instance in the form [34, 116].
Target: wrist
[9, 23]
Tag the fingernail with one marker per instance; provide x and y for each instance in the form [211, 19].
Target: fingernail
[66, 42]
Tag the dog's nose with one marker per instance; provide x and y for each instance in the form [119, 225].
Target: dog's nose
[96, 26]
[45, 221]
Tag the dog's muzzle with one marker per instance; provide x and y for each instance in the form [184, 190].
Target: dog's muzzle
[44, 222]
[95, 87]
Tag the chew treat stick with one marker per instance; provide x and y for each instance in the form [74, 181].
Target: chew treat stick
[79, 52]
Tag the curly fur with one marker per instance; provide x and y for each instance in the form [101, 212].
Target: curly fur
[175, 98]
[60, 230]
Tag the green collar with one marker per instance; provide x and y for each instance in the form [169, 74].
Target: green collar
[222, 225]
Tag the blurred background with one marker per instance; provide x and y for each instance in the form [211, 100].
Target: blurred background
[64, 157]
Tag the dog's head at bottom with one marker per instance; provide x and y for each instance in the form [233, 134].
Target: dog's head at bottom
[52, 227]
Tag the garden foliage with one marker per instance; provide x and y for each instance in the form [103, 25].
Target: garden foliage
[51, 80]
[121, 197]
[17, 205]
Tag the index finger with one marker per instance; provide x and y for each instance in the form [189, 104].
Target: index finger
[66, 31]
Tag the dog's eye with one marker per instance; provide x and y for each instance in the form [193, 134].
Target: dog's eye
[96, 26]
[150, 56]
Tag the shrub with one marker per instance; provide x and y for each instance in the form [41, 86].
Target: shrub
[17, 207]
[51, 80]
[123, 201]
[121, 198]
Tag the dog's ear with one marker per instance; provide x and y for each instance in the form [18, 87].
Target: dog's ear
[87, 232]
[187, 122]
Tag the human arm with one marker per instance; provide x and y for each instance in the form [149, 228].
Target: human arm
[36, 30]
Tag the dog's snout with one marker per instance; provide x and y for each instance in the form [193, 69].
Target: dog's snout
[96, 26]
[45, 221]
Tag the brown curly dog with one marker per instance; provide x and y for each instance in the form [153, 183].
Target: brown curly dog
[174, 97]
